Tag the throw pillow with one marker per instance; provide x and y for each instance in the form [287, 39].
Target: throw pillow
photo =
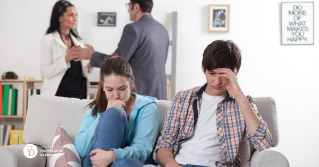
[63, 151]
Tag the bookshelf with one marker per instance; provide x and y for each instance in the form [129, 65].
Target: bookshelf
[28, 83]
[8, 81]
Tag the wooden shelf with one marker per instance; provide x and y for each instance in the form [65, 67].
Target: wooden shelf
[11, 116]
[39, 81]
[28, 81]
[11, 80]
[20, 81]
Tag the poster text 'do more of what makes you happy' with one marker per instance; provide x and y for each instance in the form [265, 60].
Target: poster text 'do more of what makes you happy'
[297, 23]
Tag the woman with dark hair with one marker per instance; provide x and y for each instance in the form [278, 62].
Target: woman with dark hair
[63, 75]
[120, 127]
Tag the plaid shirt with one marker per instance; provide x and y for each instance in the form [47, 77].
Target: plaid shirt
[231, 125]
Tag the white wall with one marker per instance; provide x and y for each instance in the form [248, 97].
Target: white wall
[287, 73]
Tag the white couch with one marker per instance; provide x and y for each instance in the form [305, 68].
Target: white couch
[46, 112]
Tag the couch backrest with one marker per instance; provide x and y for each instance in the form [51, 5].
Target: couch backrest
[267, 108]
[162, 107]
[44, 115]
[46, 112]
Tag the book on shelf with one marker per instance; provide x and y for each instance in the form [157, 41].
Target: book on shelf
[16, 137]
[33, 92]
[6, 89]
[14, 102]
[1, 98]
[20, 100]
[7, 134]
[3, 129]
[10, 102]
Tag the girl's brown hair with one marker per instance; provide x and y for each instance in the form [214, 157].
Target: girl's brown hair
[112, 65]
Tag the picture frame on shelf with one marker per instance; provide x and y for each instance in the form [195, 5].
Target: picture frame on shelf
[218, 18]
[297, 23]
[106, 18]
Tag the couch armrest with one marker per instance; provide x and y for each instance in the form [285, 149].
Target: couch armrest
[269, 157]
[12, 156]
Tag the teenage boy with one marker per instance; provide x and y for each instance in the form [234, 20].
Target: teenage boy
[205, 125]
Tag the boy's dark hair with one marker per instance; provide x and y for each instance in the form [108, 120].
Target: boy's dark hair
[146, 6]
[221, 54]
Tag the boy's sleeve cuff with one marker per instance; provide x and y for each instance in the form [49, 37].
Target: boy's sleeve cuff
[260, 132]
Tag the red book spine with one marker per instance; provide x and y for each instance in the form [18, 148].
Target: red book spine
[1, 98]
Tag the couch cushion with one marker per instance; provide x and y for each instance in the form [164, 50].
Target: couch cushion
[63, 150]
[45, 113]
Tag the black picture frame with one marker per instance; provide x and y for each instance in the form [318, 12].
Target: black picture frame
[106, 19]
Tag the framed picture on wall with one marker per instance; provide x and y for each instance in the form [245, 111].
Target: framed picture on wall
[218, 18]
[297, 23]
[106, 18]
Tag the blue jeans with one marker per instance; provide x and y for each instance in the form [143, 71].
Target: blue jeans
[111, 132]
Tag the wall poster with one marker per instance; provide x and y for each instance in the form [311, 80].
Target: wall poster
[297, 23]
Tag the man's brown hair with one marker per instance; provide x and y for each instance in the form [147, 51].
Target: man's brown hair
[146, 6]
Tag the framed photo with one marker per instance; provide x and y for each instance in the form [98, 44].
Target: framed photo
[297, 23]
[106, 18]
[218, 18]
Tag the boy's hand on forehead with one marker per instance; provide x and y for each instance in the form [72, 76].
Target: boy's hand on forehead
[232, 87]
